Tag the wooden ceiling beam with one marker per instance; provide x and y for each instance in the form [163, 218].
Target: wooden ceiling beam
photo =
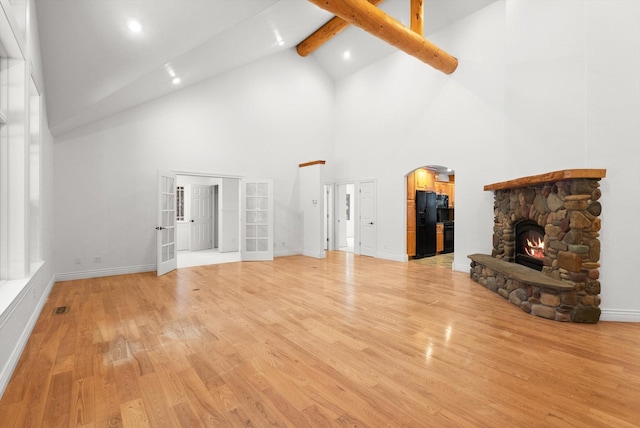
[417, 16]
[325, 33]
[364, 15]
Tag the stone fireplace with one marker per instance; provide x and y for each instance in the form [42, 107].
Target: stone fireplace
[546, 251]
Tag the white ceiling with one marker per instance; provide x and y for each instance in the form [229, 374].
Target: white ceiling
[94, 66]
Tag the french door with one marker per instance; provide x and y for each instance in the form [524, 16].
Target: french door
[257, 220]
[166, 260]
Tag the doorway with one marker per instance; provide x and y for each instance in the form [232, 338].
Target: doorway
[328, 218]
[345, 217]
[430, 225]
[207, 220]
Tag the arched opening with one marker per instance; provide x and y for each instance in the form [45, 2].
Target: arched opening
[430, 199]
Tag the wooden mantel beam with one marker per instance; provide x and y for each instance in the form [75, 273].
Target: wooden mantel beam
[325, 33]
[417, 16]
[371, 19]
[565, 174]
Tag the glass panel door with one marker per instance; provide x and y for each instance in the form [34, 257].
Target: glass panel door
[257, 239]
[166, 229]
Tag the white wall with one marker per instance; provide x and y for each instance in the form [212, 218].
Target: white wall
[258, 121]
[399, 114]
[612, 141]
[561, 78]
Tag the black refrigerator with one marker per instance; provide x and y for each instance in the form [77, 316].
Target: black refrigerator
[426, 216]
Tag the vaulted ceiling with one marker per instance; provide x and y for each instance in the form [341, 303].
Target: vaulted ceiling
[95, 66]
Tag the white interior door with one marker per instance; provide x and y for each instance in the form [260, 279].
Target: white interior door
[201, 218]
[368, 218]
[166, 260]
[257, 220]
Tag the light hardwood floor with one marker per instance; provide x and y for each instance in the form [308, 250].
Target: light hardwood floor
[345, 341]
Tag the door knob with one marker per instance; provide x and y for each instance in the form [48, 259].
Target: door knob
[160, 228]
[371, 223]
[192, 221]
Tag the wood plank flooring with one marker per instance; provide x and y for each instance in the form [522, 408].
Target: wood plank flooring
[297, 342]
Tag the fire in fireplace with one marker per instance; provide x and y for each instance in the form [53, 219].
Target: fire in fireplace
[529, 245]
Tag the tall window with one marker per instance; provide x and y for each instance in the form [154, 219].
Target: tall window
[4, 169]
[20, 172]
[35, 217]
[21, 251]
[179, 203]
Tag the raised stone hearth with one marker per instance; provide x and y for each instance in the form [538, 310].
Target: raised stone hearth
[565, 203]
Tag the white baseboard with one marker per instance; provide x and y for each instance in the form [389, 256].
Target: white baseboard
[620, 315]
[315, 254]
[285, 253]
[97, 273]
[7, 370]
[104, 272]
[392, 257]
[462, 267]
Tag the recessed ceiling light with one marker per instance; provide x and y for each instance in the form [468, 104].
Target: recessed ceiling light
[134, 25]
[176, 80]
[346, 55]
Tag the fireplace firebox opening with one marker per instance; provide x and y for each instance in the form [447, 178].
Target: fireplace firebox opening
[529, 245]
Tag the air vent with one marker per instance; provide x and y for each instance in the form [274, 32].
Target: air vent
[61, 310]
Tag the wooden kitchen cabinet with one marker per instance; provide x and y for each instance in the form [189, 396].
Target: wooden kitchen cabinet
[411, 186]
[411, 214]
[424, 180]
[439, 237]
[411, 228]
[421, 179]
[447, 188]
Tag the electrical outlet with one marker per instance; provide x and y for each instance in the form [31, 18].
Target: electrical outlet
[97, 259]
[78, 261]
